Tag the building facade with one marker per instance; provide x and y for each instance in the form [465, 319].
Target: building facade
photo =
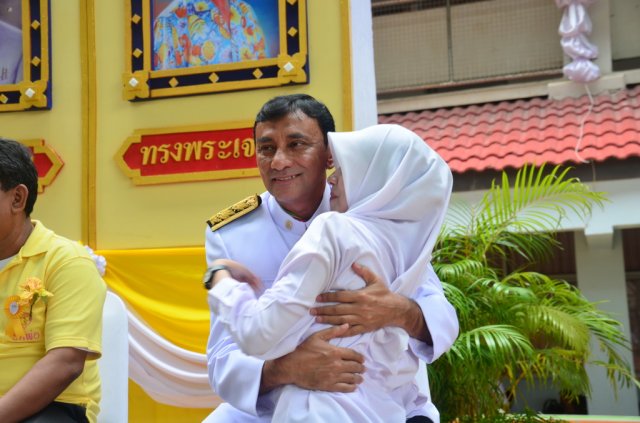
[482, 82]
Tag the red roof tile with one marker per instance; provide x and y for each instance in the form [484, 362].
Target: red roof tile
[514, 133]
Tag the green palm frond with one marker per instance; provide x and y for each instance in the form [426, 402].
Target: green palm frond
[536, 204]
[519, 325]
[542, 283]
[621, 373]
[555, 327]
[462, 303]
[531, 247]
[564, 368]
[537, 201]
[458, 269]
[503, 290]
[459, 220]
[491, 344]
[606, 329]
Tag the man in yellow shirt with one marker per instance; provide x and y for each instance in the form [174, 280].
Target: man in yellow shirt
[51, 319]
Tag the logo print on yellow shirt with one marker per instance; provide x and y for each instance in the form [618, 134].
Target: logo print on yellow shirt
[16, 313]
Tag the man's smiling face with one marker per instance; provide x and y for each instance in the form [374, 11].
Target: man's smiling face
[292, 158]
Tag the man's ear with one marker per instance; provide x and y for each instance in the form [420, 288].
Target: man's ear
[20, 195]
[330, 162]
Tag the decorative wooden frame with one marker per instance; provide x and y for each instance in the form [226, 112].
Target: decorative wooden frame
[34, 91]
[141, 82]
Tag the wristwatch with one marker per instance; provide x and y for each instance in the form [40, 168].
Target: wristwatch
[207, 280]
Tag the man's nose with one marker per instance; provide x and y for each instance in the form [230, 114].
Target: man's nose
[281, 160]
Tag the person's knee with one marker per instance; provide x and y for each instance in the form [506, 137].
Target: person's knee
[59, 412]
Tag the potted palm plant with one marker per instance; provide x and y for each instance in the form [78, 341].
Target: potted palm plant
[517, 325]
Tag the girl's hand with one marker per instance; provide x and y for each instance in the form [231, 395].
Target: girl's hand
[239, 272]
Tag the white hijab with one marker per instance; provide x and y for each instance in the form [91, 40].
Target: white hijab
[401, 187]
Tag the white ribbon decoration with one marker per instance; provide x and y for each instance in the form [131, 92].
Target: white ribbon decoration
[100, 261]
[574, 28]
[169, 374]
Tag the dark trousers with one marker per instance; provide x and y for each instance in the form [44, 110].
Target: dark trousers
[419, 419]
[59, 412]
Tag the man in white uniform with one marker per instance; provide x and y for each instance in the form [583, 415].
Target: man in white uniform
[10, 54]
[293, 156]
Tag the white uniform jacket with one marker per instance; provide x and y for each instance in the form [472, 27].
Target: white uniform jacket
[261, 240]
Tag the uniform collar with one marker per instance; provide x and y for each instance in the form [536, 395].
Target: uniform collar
[287, 223]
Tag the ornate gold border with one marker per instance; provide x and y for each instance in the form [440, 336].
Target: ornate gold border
[89, 121]
[345, 15]
[34, 91]
[40, 147]
[138, 179]
[141, 82]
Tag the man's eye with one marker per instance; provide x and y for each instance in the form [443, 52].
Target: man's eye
[266, 149]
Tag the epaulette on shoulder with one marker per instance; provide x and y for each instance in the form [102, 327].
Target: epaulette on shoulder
[230, 214]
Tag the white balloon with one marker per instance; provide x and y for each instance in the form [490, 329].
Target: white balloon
[579, 47]
[575, 20]
[574, 28]
[581, 70]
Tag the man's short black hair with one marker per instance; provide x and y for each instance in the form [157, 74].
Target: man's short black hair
[17, 167]
[281, 106]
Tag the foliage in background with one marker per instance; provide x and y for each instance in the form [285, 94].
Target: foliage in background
[502, 417]
[518, 325]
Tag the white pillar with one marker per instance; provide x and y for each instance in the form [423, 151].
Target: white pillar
[601, 277]
[600, 13]
[363, 74]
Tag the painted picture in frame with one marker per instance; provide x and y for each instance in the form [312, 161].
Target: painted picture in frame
[187, 34]
[183, 47]
[10, 42]
[24, 55]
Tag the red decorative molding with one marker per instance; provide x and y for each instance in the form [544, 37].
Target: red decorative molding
[47, 161]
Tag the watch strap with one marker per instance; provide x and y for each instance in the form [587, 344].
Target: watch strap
[209, 274]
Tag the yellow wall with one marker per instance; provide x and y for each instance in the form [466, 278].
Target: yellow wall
[60, 206]
[130, 216]
[89, 116]
[91, 199]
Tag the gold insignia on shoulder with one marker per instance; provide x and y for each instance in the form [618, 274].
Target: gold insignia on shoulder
[230, 214]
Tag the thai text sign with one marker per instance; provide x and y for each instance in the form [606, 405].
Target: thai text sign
[189, 154]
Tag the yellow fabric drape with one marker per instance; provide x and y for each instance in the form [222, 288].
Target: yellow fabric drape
[164, 287]
[143, 409]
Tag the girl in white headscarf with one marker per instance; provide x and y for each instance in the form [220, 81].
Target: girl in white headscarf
[389, 195]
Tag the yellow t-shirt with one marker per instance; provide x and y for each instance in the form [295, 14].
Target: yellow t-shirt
[72, 317]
